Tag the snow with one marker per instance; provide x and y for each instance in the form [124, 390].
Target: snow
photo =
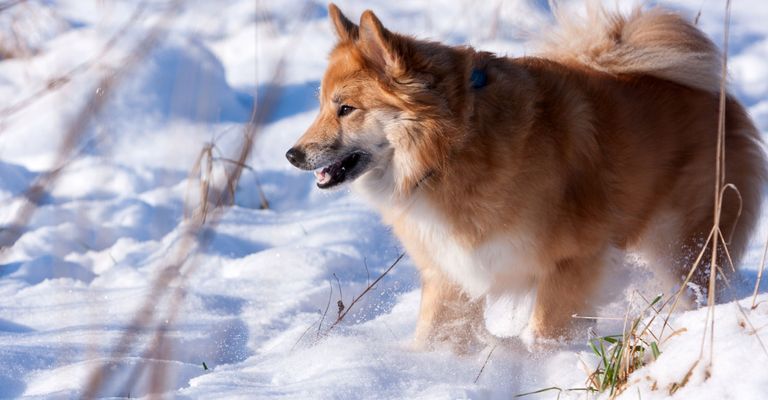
[251, 298]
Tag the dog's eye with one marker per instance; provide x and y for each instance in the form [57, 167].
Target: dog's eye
[345, 110]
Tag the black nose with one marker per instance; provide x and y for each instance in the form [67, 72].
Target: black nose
[296, 157]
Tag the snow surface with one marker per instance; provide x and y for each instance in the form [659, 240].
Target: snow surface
[256, 287]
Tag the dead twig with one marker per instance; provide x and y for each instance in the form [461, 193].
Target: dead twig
[752, 326]
[327, 307]
[759, 274]
[10, 3]
[34, 194]
[718, 198]
[340, 303]
[490, 353]
[194, 235]
[367, 289]
[55, 83]
[264, 203]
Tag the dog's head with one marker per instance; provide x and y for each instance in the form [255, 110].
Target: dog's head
[387, 106]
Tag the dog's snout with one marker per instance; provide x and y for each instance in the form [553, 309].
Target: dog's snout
[296, 156]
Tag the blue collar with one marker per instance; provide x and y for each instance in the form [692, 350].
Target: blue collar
[478, 78]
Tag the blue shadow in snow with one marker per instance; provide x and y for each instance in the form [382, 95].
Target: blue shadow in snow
[743, 285]
[11, 388]
[221, 304]
[7, 326]
[542, 5]
[287, 100]
[15, 179]
[45, 267]
[229, 245]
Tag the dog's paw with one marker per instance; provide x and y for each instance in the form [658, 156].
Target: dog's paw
[535, 342]
[464, 341]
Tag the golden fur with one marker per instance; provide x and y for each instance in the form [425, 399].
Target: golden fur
[605, 140]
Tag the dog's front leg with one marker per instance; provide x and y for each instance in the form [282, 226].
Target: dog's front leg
[447, 315]
[565, 290]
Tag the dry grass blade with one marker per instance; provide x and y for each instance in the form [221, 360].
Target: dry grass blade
[173, 275]
[367, 289]
[555, 388]
[202, 169]
[680, 292]
[296, 343]
[327, 307]
[11, 3]
[738, 213]
[759, 274]
[343, 309]
[490, 353]
[340, 302]
[677, 385]
[620, 355]
[719, 186]
[60, 81]
[752, 327]
[715, 239]
[32, 196]
[264, 203]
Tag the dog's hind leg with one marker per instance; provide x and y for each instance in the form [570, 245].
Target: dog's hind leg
[447, 314]
[740, 210]
[730, 247]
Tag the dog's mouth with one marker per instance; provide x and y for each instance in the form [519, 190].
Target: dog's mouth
[346, 168]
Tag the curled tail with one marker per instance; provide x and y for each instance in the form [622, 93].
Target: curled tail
[654, 42]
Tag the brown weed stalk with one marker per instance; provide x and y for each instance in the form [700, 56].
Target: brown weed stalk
[171, 280]
[58, 82]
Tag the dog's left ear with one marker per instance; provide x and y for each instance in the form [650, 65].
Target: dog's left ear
[379, 45]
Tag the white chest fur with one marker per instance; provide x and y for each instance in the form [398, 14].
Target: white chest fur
[502, 263]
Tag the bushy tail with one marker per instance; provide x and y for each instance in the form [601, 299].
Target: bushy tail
[655, 42]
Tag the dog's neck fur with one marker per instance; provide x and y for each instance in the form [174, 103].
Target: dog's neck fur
[460, 170]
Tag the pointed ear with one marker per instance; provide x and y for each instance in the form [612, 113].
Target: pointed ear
[345, 29]
[378, 44]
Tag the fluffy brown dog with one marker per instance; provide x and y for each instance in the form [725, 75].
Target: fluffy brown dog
[515, 175]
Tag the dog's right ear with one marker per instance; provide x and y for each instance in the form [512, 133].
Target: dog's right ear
[345, 29]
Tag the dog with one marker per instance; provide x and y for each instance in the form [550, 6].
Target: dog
[522, 175]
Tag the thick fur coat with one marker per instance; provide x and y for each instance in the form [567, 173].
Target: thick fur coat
[527, 180]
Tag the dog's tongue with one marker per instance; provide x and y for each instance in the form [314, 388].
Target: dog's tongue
[334, 171]
[322, 176]
[328, 173]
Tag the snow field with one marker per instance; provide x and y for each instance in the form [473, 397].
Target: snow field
[254, 295]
